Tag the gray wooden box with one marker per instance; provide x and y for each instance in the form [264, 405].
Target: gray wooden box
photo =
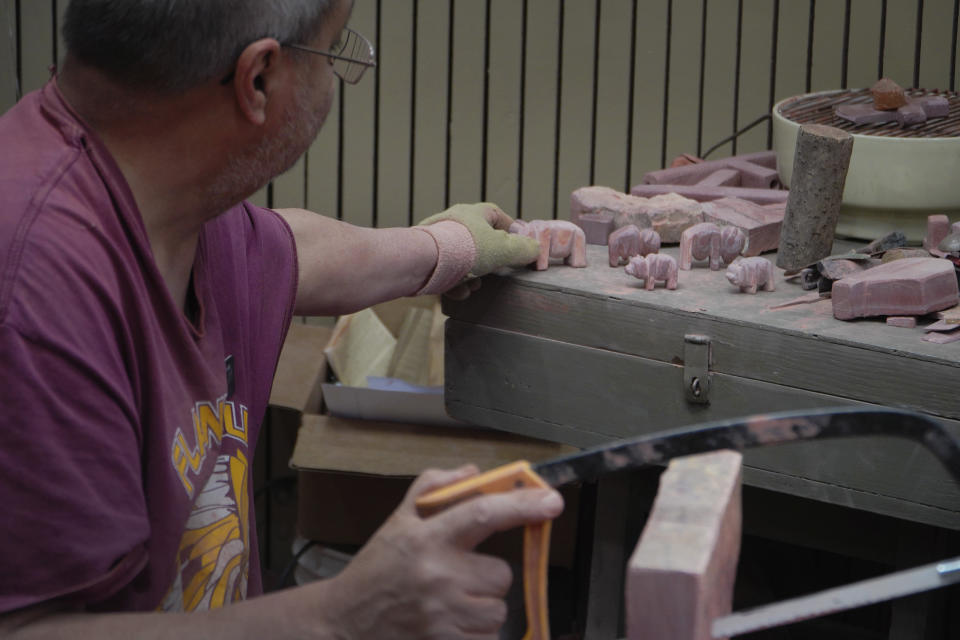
[585, 356]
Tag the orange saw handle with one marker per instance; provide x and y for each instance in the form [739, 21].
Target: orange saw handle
[536, 537]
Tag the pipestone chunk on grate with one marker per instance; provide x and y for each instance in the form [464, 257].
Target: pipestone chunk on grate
[887, 95]
[934, 106]
[864, 114]
[908, 287]
[911, 113]
[597, 227]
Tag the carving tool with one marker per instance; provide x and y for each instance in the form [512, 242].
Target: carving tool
[658, 448]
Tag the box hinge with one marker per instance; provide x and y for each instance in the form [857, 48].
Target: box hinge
[696, 368]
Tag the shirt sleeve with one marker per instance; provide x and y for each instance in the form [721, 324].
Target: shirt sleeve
[74, 521]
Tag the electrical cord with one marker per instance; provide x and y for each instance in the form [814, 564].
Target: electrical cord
[736, 135]
[287, 570]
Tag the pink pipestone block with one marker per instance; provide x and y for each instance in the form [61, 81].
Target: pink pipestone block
[938, 228]
[908, 287]
[597, 227]
[722, 178]
[911, 113]
[935, 106]
[760, 224]
[907, 322]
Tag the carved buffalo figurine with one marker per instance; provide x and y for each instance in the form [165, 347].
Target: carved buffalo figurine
[629, 241]
[557, 238]
[707, 240]
[750, 273]
[656, 266]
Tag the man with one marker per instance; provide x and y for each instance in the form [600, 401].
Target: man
[142, 309]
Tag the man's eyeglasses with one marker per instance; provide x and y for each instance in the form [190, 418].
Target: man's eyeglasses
[350, 56]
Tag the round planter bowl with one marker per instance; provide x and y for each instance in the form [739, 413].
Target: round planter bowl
[892, 183]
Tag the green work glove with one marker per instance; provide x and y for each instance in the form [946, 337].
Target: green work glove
[488, 226]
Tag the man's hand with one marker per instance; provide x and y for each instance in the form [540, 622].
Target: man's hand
[419, 578]
[488, 246]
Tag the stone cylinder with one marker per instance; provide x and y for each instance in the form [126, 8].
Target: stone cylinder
[820, 166]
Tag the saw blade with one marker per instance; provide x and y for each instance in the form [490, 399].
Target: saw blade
[857, 594]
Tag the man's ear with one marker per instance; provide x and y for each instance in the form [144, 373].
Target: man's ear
[254, 66]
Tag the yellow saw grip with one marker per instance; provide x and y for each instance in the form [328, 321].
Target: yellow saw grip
[536, 537]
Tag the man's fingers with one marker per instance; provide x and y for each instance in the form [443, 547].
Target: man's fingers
[496, 217]
[432, 479]
[492, 576]
[473, 520]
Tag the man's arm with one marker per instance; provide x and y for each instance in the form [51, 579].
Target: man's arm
[416, 579]
[344, 268]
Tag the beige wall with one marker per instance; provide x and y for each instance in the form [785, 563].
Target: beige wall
[406, 142]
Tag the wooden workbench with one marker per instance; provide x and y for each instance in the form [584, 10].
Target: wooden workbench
[584, 356]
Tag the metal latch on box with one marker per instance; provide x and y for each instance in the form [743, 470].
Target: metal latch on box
[696, 368]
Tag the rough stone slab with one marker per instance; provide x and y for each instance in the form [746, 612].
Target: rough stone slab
[681, 574]
[755, 170]
[602, 200]
[950, 316]
[907, 322]
[820, 164]
[761, 225]
[668, 214]
[940, 325]
[908, 287]
[705, 194]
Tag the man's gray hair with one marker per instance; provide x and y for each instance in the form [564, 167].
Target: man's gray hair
[173, 45]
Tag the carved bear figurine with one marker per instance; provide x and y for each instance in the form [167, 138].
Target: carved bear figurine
[629, 241]
[750, 273]
[557, 238]
[707, 240]
[656, 266]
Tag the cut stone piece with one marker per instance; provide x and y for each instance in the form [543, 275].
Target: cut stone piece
[940, 325]
[760, 224]
[597, 227]
[911, 113]
[907, 322]
[942, 338]
[934, 106]
[602, 200]
[905, 252]
[702, 193]
[722, 178]
[681, 574]
[864, 114]
[908, 287]
[938, 228]
[950, 316]
[892, 240]
[887, 95]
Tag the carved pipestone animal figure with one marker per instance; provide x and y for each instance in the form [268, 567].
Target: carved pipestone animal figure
[751, 273]
[707, 240]
[557, 238]
[656, 266]
[629, 241]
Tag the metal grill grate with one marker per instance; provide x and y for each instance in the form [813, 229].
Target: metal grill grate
[819, 108]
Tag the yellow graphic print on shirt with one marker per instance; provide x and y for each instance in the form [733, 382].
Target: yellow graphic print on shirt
[214, 558]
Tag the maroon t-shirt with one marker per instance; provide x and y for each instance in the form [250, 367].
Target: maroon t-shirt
[126, 428]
